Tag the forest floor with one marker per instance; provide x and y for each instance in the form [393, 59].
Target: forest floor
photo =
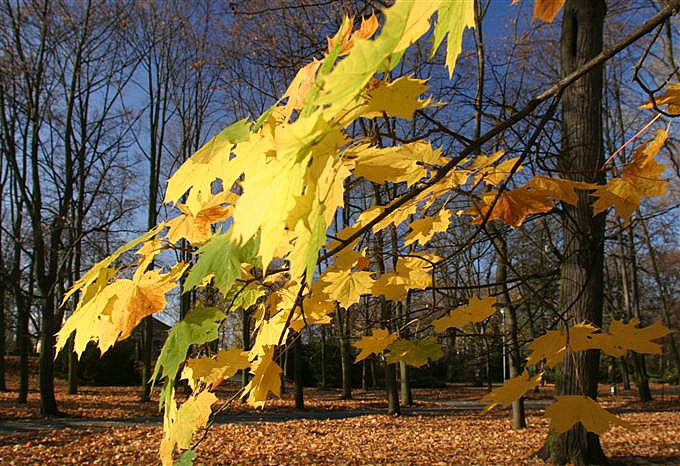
[108, 425]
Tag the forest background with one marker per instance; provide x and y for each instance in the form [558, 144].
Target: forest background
[102, 101]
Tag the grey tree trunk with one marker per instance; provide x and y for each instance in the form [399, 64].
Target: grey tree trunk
[581, 290]
[404, 381]
[639, 359]
[505, 306]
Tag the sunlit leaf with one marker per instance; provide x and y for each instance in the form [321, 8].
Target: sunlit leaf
[511, 390]
[375, 343]
[570, 409]
[414, 352]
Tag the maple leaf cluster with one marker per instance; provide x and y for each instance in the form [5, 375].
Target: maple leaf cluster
[272, 187]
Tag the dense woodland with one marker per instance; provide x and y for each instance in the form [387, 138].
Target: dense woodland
[101, 101]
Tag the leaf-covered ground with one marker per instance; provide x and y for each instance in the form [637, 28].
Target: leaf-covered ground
[439, 430]
[456, 438]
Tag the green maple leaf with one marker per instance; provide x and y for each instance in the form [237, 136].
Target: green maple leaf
[199, 326]
[221, 256]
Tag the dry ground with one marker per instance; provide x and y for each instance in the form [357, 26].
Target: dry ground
[436, 431]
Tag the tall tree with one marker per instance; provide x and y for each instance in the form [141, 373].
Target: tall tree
[581, 283]
[156, 44]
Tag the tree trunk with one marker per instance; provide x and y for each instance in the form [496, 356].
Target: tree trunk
[147, 346]
[405, 383]
[450, 354]
[23, 345]
[663, 294]
[640, 365]
[48, 403]
[581, 290]
[323, 357]
[345, 355]
[297, 373]
[509, 329]
[624, 373]
[72, 367]
[245, 335]
[406, 395]
[629, 292]
[390, 369]
[3, 386]
[386, 317]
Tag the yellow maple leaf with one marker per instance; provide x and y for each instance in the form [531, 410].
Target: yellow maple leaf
[346, 287]
[423, 229]
[213, 370]
[143, 296]
[317, 315]
[299, 88]
[270, 332]
[550, 347]
[671, 98]
[209, 163]
[477, 310]
[511, 390]
[91, 322]
[391, 285]
[95, 271]
[375, 343]
[417, 22]
[570, 409]
[640, 178]
[112, 311]
[268, 196]
[195, 222]
[396, 217]
[555, 343]
[493, 175]
[183, 422]
[414, 353]
[412, 273]
[398, 98]
[394, 164]
[417, 269]
[622, 337]
[348, 258]
[558, 189]
[266, 379]
[481, 161]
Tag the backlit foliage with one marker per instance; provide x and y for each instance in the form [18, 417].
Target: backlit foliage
[271, 187]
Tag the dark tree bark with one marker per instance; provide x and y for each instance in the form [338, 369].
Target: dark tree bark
[581, 290]
[390, 369]
[345, 353]
[3, 386]
[323, 357]
[245, 335]
[297, 373]
[386, 317]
